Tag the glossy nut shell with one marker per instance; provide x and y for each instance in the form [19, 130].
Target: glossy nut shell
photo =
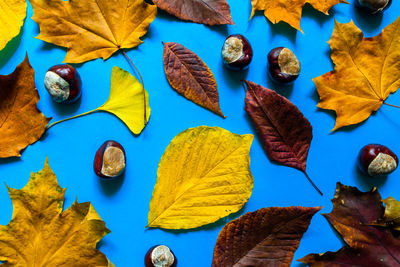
[110, 160]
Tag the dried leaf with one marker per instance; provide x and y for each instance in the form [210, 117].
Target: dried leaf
[391, 217]
[191, 77]
[21, 122]
[12, 16]
[290, 11]
[204, 175]
[211, 12]
[125, 101]
[40, 233]
[367, 245]
[92, 28]
[284, 131]
[267, 237]
[367, 71]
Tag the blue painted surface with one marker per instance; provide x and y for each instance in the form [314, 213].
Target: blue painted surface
[123, 204]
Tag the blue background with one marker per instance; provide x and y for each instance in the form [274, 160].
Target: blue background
[123, 204]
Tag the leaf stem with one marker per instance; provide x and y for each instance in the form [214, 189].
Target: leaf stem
[390, 105]
[141, 81]
[70, 118]
[312, 183]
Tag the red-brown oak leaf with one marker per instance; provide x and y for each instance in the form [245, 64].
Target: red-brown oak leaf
[367, 245]
[266, 237]
[284, 131]
[191, 77]
[211, 12]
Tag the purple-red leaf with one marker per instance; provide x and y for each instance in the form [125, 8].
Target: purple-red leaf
[284, 131]
[191, 77]
[367, 245]
[267, 237]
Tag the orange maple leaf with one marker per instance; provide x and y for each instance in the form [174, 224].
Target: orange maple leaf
[367, 71]
[92, 28]
[290, 11]
[21, 122]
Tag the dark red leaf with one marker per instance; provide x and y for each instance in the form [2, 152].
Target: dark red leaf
[368, 245]
[211, 12]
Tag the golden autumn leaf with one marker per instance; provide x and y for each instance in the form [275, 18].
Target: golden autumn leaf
[367, 71]
[204, 175]
[40, 233]
[125, 101]
[21, 122]
[12, 16]
[92, 28]
[290, 11]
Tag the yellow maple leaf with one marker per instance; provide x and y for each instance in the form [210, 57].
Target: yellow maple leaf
[21, 122]
[367, 71]
[40, 233]
[12, 16]
[290, 11]
[204, 175]
[92, 28]
[125, 101]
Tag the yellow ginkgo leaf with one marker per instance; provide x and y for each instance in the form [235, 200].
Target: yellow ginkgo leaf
[40, 233]
[204, 175]
[12, 16]
[126, 101]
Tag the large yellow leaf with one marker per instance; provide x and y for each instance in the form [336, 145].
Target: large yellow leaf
[290, 11]
[92, 28]
[12, 16]
[40, 233]
[367, 71]
[204, 175]
[125, 101]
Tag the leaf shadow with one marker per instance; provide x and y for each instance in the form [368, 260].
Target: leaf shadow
[318, 16]
[367, 182]
[282, 28]
[8, 51]
[112, 186]
[212, 226]
[66, 109]
[368, 23]
[9, 160]
[221, 29]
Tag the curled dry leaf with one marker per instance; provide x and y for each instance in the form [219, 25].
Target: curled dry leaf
[211, 12]
[284, 131]
[125, 101]
[191, 77]
[267, 237]
[290, 11]
[21, 122]
[367, 71]
[391, 217]
[204, 175]
[12, 16]
[367, 245]
[40, 233]
[92, 28]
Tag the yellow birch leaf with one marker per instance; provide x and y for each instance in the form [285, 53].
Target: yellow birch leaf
[40, 233]
[92, 28]
[125, 101]
[290, 11]
[12, 16]
[367, 71]
[204, 175]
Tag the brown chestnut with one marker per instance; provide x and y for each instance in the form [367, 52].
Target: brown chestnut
[110, 160]
[377, 160]
[237, 52]
[283, 65]
[63, 83]
[160, 256]
[373, 6]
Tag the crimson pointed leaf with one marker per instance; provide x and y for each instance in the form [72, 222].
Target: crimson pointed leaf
[267, 237]
[367, 245]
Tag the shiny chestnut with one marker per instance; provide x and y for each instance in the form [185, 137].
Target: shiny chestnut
[373, 6]
[377, 160]
[63, 83]
[160, 256]
[110, 160]
[237, 52]
[283, 65]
